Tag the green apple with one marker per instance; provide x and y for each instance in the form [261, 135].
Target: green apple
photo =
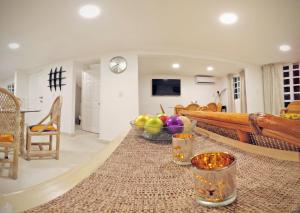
[140, 121]
[153, 125]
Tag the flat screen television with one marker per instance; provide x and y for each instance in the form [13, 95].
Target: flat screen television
[166, 87]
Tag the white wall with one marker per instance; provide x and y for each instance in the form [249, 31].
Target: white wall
[77, 103]
[38, 87]
[190, 91]
[21, 87]
[6, 82]
[221, 83]
[254, 89]
[119, 101]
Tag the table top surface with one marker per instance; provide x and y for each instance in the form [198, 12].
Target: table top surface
[24, 110]
[140, 176]
[21, 110]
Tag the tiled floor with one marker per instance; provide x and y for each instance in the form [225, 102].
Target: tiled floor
[75, 150]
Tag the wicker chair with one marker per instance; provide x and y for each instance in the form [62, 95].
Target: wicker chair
[178, 108]
[212, 107]
[49, 129]
[192, 107]
[293, 107]
[219, 107]
[9, 130]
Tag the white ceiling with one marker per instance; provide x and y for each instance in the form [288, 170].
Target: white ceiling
[162, 64]
[52, 30]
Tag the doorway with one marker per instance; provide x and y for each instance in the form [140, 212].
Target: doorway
[90, 98]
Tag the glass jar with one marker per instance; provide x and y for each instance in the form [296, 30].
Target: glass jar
[182, 148]
[215, 178]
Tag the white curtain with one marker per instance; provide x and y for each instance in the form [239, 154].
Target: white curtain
[231, 104]
[273, 88]
[243, 96]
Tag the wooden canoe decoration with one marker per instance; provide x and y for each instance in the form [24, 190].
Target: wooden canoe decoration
[256, 128]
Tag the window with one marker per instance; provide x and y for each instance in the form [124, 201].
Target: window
[236, 87]
[291, 83]
[11, 88]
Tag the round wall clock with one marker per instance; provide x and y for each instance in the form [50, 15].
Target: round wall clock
[118, 64]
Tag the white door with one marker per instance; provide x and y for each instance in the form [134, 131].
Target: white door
[90, 104]
[37, 86]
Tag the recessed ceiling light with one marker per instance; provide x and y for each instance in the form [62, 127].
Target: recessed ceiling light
[285, 48]
[228, 18]
[209, 68]
[13, 45]
[89, 11]
[176, 66]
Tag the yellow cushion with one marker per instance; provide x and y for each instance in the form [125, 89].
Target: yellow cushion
[38, 128]
[291, 115]
[6, 138]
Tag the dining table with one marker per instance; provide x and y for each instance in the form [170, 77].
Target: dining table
[140, 176]
[23, 111]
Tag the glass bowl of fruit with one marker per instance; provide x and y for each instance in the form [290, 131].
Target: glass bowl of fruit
[161, 127]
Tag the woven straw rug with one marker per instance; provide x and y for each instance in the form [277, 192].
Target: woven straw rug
[140, 177]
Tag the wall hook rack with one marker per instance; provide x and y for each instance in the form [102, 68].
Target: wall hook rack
[56, 78]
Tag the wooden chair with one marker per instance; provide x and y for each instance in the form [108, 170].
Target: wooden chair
[293, 107]
[292, 111]
[192, 107]
[212, 107]
[19, 101]
[50, 129]
[219, 107]
[9, 130]
[178, 108]
[21, 124]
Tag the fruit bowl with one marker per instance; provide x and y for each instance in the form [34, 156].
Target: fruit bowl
[165, 133]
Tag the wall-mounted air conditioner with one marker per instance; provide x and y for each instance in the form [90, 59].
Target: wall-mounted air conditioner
[204, 79]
